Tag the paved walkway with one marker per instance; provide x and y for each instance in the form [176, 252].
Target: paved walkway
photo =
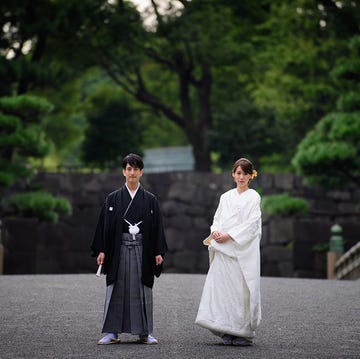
[59, 316]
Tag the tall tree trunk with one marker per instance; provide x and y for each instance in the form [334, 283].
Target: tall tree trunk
[204, 123]
[195, 127]
[201, 155]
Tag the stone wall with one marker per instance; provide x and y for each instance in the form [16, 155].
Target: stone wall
[188, 201]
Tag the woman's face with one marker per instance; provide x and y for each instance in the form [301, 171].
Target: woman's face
[241, 178]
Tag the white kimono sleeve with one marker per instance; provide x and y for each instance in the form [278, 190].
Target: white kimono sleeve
[216, 226]
[250, 229]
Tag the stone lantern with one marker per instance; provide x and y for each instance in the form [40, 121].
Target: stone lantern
[336, 249]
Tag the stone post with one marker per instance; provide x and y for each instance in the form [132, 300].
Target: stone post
[1, 252]
[336, 249]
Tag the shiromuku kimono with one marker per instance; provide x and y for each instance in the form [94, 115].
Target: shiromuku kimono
[230, 302]
[129, 262]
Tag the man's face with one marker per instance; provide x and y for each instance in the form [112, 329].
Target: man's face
[132, 174]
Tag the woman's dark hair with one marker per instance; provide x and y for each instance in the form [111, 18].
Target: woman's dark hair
[133, 160]
[245, 165]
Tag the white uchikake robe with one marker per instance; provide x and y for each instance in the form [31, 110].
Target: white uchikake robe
[230, 302]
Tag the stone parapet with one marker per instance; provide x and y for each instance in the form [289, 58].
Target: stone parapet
[290, 246]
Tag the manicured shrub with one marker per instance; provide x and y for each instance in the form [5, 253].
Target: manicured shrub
[284, 204]
[41, 205]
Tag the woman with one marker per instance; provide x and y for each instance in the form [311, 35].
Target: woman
[230, 303]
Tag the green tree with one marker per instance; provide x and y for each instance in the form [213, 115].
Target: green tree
[257, 68]
[33, 44]
[241, 130]
[21, 143]
[169, 67]
[113, 130]
[330, 152]
[298, 45]
[32, 48]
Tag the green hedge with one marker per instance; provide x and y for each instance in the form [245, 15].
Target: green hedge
[41, 205]
[284, 204]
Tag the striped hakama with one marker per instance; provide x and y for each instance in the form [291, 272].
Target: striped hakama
[129, 303]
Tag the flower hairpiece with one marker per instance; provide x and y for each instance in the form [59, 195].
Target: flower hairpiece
[254, 174]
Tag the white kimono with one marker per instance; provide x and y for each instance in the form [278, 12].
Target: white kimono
[230, 302]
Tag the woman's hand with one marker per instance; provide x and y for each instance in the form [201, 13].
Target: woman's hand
[220, 237]
[100, 258]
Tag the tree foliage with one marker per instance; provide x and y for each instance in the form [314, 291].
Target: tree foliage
[41, 205]
[284, 204]
[32, 51]
[329, 154]
[113, 130]
[235, 77]
[22, 140]
[20, 136]
[33, 44]
[241, 130]
[299, 44]
[169, 67]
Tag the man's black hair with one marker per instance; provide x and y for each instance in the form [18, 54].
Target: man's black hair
[133, 160]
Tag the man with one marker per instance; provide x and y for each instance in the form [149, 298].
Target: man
[130, 244]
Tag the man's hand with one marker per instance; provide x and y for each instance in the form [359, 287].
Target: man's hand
[158, 260]
[100, 258]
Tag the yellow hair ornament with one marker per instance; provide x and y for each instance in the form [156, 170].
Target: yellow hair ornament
[254, 174]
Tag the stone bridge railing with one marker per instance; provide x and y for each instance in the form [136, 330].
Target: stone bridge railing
[348, 265]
